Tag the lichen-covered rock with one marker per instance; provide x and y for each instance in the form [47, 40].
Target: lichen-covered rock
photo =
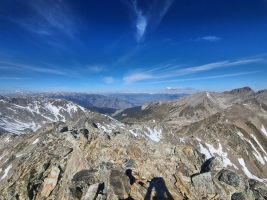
[258, 189]
[230, 178]
[203, 183]
[238, 196]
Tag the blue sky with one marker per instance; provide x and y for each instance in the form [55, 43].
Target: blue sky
[132, 45]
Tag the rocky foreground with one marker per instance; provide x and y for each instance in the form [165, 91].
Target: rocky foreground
[201, 149]
[80, 161]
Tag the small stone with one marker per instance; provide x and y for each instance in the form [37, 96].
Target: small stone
[84, 132]
[94, 125]
[63, 129]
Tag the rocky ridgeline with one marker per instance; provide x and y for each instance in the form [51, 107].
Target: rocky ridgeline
[230, 124]
[81, 161]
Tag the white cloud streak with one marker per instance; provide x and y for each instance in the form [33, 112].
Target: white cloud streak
[208, 38]
[109, 80]
[136, 77]
[96, 68]
[10, 78]
[149, 20]
[11, 66]
[212, 66]
[51, 17]
[208, 77]
[171, 71]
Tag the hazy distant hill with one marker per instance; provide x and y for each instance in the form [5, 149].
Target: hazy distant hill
[106, 104]
[138, 99]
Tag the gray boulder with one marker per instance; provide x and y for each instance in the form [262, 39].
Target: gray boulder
[230, 178]
[238, 196]
[203, 183]
[119, 184]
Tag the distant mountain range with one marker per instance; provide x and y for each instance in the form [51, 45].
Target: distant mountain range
[138, 99]
[106, 104]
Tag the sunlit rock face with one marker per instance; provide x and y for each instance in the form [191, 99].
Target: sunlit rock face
[206, 146]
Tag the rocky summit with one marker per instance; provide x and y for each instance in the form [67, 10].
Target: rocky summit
[204, 146]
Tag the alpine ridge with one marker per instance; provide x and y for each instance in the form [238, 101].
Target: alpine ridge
[204, 146]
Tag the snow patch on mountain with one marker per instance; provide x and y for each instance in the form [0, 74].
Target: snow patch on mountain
[71, 108]
[23, 115]
[104, 128]
[35, 141]
[133, 133]
[211, 151]
[221, 153]
[256, 140]
[153, 133]
[210, 97]
[256, 153]
[55, 111]
[263, 130]
[182, 139]
[204, 151]
[19, 155]
[17, 127]
[6, 172]
[247, 172]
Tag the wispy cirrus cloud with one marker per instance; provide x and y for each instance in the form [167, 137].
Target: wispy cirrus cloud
[141, 23]
[208, 38]
[215, 65]
[180, 90]
[15, 66]
[208, 77]
[96, 68]
[173, 70]
[145, 20]
[108, 80]
[10, 78]
[136, 77]
[49, 18]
